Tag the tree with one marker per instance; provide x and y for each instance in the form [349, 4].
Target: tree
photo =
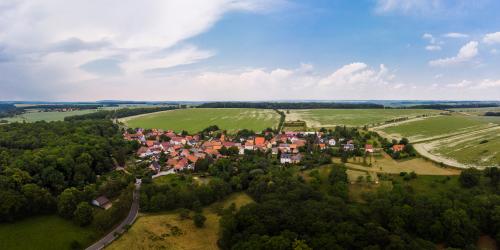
[199, 220]
[84, 214]
[68, 201]
[470, 177]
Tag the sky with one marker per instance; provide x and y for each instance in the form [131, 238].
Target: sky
[249, 50]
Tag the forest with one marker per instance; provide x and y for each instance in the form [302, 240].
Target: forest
[291, 105]
[119, 113]
[52, 167]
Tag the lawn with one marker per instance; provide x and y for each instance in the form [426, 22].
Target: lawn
[168, 231]
[439, 126]
[43, 232]
[317, 118]
[195, 120]
[34, 115]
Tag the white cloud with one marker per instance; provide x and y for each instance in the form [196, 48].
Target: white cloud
[492, 38]
[433, 47]
[455, 35]
[356, 73]
[462, 84]
[466, 53]
[487, 83]
[406, 6]
[66, 38]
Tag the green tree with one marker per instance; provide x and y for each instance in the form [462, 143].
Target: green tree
[84, 214]
[67, 202]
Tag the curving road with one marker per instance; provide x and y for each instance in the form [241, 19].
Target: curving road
[132, 215]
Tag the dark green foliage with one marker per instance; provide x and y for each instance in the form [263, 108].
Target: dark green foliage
[119, 113]
[287, 210]
[470, 177]
[84, 214]
[38, 161]
[290, 105]
[199, 219]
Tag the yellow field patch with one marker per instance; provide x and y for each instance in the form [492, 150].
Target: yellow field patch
[169, 231]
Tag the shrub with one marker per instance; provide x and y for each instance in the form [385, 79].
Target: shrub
[199, 220]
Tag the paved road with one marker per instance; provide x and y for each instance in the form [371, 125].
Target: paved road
[132, 215]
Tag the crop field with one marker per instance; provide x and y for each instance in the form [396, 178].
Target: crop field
[44, 232]
[195, 120]
[317, 118]
[440, 126]
[477, 111]
[33, 116]
[168, 231]
[458, 140]
[480, 148]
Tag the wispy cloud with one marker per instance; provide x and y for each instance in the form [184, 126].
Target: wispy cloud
[455, 35]
[466, 53]
[492, 38]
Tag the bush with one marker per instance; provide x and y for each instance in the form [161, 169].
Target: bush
[199, 220]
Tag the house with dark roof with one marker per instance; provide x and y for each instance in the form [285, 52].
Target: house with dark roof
[102, 202]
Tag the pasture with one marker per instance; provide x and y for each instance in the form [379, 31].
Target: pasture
[44, 232]
[317, 118]
[169, 231]
[195, 120]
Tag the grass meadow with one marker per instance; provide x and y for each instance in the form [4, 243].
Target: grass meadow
[44, 232]
[169, 231]
[317, 118]
[195, 120]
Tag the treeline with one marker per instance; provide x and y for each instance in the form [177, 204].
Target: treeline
[491, 113]
[40, 161]
[66, 106]
[291, 105]
[119, 113]
[290, 213]
[454, 106]
[8, 110]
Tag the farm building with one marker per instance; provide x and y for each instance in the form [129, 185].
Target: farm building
[102, 202]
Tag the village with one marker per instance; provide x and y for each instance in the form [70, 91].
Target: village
[182, 151]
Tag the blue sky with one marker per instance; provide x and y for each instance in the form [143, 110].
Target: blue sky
[250, 50]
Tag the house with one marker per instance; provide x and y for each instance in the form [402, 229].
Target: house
[348, 147]
[332, 142]
[369, 148]
[296, 158]
[102, 202]
[181, 164]
[155, 167]
[398, 147]
[259, 141]
[285, 158]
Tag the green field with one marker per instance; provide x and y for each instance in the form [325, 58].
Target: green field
[437, 126]
[317, 118]
[482, 148]
[43, 232]
[33, 116]
[195, 120]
